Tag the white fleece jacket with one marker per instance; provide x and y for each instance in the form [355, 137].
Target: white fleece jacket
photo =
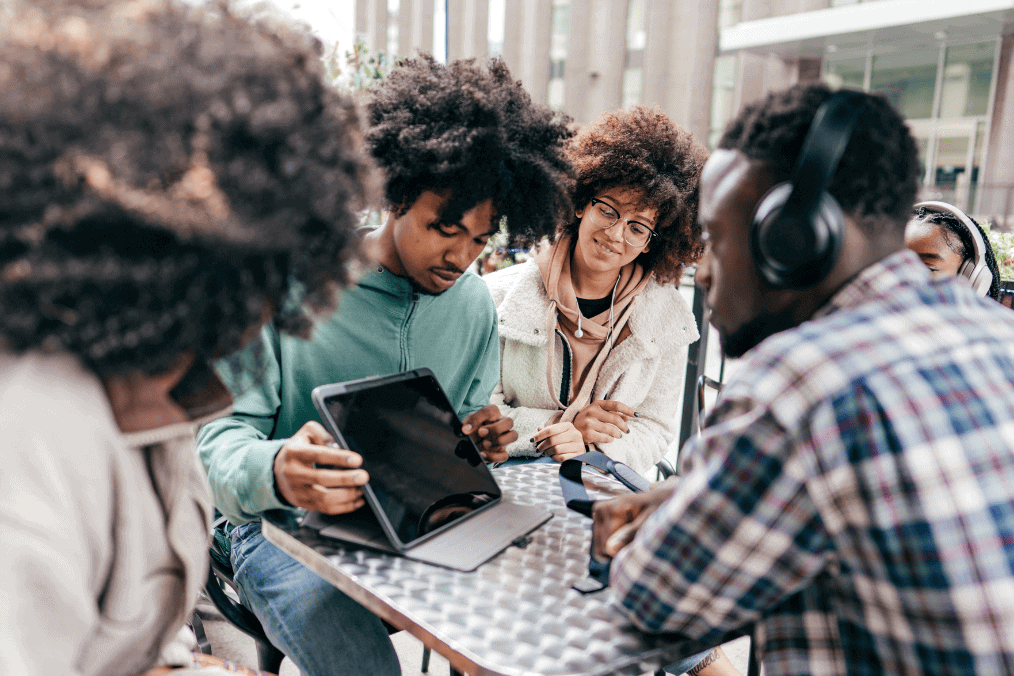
[645, 371]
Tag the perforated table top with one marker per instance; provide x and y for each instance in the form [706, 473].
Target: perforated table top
[516, 614]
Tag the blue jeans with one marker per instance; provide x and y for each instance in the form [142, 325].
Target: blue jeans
[319, 628]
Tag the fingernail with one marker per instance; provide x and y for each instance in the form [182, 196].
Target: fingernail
[636, 414]
[532, 440]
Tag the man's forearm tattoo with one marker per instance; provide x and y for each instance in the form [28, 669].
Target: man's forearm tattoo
[705, 663]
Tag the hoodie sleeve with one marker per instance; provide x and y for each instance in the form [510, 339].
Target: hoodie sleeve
[527, 422]
[487, 374]
[649, 435]
[237, 451]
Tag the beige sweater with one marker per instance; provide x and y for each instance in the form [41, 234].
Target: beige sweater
[103, 537]
[644, 371]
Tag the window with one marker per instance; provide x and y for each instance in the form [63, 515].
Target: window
[722, 95]
[847, 73]
[908, 80]
[968, 72]
[943, 91]
[723, 86]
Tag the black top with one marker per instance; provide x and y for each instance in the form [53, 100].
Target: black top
[593, 308]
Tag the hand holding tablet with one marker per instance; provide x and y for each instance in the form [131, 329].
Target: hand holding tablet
[313, 473]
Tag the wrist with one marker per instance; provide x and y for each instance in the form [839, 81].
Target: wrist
[274, 479]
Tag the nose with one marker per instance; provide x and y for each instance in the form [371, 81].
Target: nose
[460, 255]
[616, 230]
[702, 276]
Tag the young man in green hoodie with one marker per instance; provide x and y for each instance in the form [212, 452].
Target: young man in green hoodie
[462, 148]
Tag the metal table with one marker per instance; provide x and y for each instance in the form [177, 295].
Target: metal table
[515, 614]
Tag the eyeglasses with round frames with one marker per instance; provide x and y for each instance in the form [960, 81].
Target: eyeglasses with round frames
[604, 216]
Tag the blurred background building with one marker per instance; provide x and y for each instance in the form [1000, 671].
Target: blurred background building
[946, 64]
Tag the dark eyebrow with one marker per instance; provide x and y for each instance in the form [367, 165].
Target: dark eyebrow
[459, 226]
[931, 256]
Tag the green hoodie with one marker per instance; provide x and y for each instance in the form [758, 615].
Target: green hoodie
[383, 326]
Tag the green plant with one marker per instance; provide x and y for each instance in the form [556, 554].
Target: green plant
[1003, 249]
[358, 70]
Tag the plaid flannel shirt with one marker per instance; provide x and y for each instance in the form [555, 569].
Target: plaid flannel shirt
[852, 493]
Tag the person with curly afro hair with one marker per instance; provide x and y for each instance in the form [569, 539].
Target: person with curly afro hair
[941, 234]
[829, 500]
[593, 329]
[170, 180]
[464, 151]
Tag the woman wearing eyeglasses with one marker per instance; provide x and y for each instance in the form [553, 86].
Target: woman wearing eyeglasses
[593, 331]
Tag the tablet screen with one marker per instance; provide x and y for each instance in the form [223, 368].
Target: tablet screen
[424, 473]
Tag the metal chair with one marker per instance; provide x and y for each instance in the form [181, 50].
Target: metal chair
[221, 578]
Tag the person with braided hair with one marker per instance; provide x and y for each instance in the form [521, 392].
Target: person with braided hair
[942, 236]
[464, 150]
[170, 180]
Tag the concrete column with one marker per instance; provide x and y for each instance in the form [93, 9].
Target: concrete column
[421, 29]
[756, 9]
[595, 57]
[362, 21]
[468, 27]
[783, 7]
[679, 61]
[374, 24]
[415, 27]
[527, 31]
[998, 164]
[577, 69]
[758, 75]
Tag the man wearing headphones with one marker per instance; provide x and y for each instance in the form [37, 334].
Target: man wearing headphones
[852, 495]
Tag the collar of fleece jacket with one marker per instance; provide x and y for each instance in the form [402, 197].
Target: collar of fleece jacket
[659, 320]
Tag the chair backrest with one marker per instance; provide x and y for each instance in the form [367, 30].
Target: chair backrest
[1007, 293]
[695, 382]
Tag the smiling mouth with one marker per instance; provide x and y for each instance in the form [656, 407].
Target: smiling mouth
[605, 248]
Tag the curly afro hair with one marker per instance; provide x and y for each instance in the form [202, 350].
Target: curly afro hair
[959, 240]
[878, 177]
[167, 176]
[476, 134]
[643, 150]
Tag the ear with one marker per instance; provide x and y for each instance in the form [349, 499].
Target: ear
[580, 212]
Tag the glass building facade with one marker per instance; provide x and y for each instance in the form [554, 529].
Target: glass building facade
[945, 92]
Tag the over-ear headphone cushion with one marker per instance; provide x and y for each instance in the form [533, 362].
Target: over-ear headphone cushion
[978, 274]
[793, 253]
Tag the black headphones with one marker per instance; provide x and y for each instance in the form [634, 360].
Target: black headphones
[797, 226]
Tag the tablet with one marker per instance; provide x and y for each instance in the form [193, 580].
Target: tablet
[425, 475]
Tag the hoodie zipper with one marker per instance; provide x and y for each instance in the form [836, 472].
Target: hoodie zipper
[404, 331]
